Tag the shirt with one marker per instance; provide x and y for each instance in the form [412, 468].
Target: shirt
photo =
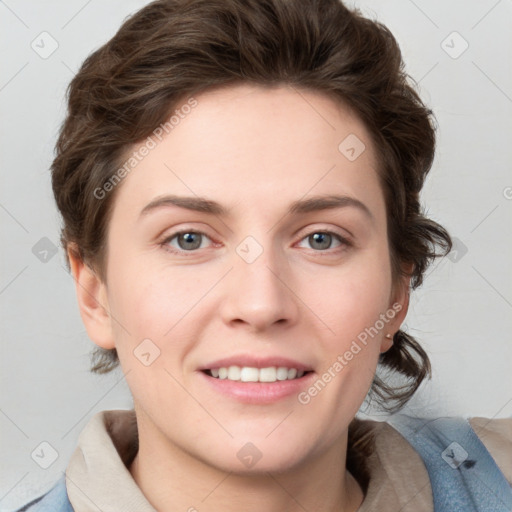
[98, 477]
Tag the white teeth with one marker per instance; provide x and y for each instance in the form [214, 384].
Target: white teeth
[268, 374]
[282, 373]
[234, 373]
[249, 374]
[292, 373]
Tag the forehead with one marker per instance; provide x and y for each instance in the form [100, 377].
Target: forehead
[246, 144]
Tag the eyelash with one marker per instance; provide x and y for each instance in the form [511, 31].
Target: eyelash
[326, 252]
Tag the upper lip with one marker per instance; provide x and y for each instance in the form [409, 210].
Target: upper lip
[256, 362]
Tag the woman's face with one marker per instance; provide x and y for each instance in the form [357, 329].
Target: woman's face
[272, 281]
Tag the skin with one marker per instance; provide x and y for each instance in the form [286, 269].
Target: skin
[254, 150]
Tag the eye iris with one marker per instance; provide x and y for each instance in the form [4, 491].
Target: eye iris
[189, 238]
[323, 238]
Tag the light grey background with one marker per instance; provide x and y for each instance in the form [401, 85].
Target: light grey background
[462, 314]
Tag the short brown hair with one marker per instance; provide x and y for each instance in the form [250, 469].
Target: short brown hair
[172, 49]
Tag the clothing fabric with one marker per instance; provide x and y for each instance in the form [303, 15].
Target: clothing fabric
[97, 476]
[462, 473]
[55, 500]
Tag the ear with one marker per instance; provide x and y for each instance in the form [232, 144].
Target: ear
[92, 299]
[399, 305]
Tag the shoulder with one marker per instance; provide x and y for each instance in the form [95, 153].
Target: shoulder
[480, 449]
[496, 436]
[54, 500]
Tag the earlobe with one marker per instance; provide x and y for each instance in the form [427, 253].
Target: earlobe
[398, 307]
[92, 301]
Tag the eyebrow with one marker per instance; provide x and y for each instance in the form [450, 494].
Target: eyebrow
[203, 205]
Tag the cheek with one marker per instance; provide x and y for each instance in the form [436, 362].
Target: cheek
[155, 302]
[352, 308]
[351, 298]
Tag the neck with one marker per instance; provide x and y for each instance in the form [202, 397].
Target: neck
[172, 479]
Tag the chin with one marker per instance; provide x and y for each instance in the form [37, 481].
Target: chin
[257, 457]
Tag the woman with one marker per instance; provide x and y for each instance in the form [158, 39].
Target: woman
[239, 184]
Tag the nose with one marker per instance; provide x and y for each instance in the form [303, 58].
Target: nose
[259, 289]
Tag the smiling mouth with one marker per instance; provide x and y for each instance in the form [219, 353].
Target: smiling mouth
[251, 374]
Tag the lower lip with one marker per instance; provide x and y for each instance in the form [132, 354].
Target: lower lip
[259, 392]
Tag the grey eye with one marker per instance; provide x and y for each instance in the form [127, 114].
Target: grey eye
[189, 240]
[322, 239]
